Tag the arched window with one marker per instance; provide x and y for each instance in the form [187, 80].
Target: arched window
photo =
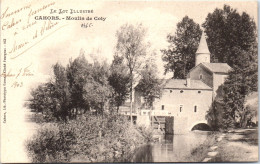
[200, 76]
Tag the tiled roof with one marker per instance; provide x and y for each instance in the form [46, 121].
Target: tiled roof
[217, 67]
[181, 84]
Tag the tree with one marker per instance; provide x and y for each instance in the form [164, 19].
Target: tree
[215, 113]
[229, 108]
[61, 88]
[228, 30]
[42, 101]
[72, 91]
[149, 85]
[96, 90]
[131, 44]
[52, 99]
[119, 80]
[78, 72]
[231, 38]
[241, 82]
[180, 55]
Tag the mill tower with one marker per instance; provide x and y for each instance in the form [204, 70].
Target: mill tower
[202, 54]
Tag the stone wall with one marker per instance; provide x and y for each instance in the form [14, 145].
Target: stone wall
[207, 76]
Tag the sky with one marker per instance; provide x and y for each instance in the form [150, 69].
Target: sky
[160, 19]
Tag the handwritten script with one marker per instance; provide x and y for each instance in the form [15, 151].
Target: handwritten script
[23, 31]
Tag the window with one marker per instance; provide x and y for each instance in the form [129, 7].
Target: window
[181, 108]
[195, 108]
[181, 91]
[199, 91]
[200, 76]
[170, 91]
[162, 107]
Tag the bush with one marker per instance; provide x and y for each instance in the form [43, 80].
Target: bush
[87, 139]
[147, 132]
[51, 144]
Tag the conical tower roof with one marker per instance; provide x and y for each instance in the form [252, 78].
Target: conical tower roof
[203, 47]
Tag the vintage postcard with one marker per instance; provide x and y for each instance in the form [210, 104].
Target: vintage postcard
[129, 81]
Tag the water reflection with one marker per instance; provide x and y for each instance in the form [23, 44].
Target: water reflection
[144, 154]
[171, 148]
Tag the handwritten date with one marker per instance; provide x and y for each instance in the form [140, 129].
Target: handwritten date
[17, 84]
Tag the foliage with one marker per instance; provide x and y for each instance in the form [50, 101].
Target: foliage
[119, 80]
[240, 83]
[180, 55]
[228, 109]
[46, 100]
[227, 30]
[146, 132]
[78, 73]
[215, 115]
[51, 144]
[62, 93]
[97, 90]
[233, 35]
[73, 90]
[132, 46]
[89, 139]
[149, 84]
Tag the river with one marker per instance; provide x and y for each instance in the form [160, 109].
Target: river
[171, 148]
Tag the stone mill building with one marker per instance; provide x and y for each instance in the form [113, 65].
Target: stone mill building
[188, 100]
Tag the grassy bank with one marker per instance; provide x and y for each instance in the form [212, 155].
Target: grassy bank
[200, 152]
[87, 139]
[238, 146]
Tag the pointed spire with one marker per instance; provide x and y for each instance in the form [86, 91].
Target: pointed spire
[202, 54]
[203, 47]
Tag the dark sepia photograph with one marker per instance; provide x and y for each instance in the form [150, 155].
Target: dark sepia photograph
[129, 81]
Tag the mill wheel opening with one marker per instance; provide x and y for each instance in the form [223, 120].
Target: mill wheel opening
[202, 127]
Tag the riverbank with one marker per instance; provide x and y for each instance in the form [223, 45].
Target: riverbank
[240, 145]
[88, 138]
[200, 153]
